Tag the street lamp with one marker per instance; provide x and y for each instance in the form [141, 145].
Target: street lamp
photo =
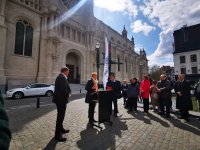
[97, 59]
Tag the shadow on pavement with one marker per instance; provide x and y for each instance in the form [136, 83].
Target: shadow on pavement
[91, 138]
[185, 126]
[146, 118]
[51, 145]
[163, 123]
[21, 112]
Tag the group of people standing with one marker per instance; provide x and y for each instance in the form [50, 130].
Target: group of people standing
[158, 91]
[160, 94]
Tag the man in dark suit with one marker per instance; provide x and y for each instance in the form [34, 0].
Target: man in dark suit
[164, 92]
[91, 87]
[183, 99]
[60, 98]
[115, 87]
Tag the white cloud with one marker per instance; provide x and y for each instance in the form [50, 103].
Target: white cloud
[139, 26]
[118, 5]
[169, 15]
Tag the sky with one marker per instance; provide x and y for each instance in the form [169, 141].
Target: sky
[150, 22]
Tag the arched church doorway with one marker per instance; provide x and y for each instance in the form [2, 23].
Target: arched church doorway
[73, 62]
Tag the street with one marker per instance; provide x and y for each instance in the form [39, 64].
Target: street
[33, 128]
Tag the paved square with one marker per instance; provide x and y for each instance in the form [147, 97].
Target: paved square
[33, 129]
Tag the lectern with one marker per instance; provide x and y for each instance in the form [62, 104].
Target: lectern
[105, 101]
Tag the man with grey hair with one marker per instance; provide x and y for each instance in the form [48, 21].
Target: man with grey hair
[61, 96]
[183, 97]
[164, 92]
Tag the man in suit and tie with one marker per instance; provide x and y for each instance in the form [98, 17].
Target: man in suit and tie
[183, 97]
[61, 96]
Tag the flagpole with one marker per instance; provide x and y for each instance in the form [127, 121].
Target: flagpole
[106, 63]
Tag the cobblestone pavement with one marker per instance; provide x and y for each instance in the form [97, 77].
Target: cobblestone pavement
[33, 129]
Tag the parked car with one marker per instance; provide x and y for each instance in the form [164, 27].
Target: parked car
[38, 89]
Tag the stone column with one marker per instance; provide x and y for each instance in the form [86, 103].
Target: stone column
[3, 31]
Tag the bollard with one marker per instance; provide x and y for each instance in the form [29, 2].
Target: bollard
[80, 90]
[38, 102]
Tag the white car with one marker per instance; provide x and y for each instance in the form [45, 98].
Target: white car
[37, 89]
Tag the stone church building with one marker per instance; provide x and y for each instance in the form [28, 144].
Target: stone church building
[37, 37]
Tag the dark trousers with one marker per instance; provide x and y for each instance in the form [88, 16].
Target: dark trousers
[184, 113]
[132, 103]
[170, 103]
[146, 104]
[124, 94]
[91, 109]
[61, 108]
[165, 103]
[114, 100]
[125, 99]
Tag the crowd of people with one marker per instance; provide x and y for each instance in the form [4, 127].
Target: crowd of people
[158, 93]
[150, 92]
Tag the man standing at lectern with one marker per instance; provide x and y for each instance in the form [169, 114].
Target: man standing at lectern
[115, 87]
[61, 98]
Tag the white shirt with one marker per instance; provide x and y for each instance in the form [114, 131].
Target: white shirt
[64, 75]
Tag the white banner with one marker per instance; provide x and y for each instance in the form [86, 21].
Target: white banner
[106, 64]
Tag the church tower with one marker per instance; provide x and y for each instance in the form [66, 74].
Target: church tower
[124, 32]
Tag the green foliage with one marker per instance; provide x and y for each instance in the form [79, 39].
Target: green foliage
[155, 72]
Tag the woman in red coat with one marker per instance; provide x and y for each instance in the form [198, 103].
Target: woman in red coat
[144, 92]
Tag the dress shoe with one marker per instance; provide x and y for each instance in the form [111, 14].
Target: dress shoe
[187, 119]
[65, 131]
[146, 112]
[161, 114]
[115, 115]
[168, 116]
[60, 139]
[129, 111]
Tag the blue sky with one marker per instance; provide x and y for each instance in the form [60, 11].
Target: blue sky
[150, 22]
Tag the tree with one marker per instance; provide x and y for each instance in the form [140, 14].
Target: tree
[155, 72]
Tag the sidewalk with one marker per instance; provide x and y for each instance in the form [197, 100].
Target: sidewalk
[33, 129]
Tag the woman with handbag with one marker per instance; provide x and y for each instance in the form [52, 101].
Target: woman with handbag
[154, 95]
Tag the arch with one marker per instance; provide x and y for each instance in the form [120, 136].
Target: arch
[26, 18]
[74, 60]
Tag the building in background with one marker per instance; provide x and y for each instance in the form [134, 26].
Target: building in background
[39, 36]
[187, 52]
[169, 71]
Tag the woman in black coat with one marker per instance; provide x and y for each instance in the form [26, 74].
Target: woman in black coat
[91, 87]
[183, 99]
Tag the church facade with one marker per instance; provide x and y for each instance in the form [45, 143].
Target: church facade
[39, 36]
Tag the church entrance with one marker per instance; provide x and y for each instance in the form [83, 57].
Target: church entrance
[73, 62]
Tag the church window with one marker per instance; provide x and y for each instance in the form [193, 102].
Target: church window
[23, 38]
[118, 65]
[73, 34]
[79, 36]
[83, 38]
[68, 31]
[126, 65]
